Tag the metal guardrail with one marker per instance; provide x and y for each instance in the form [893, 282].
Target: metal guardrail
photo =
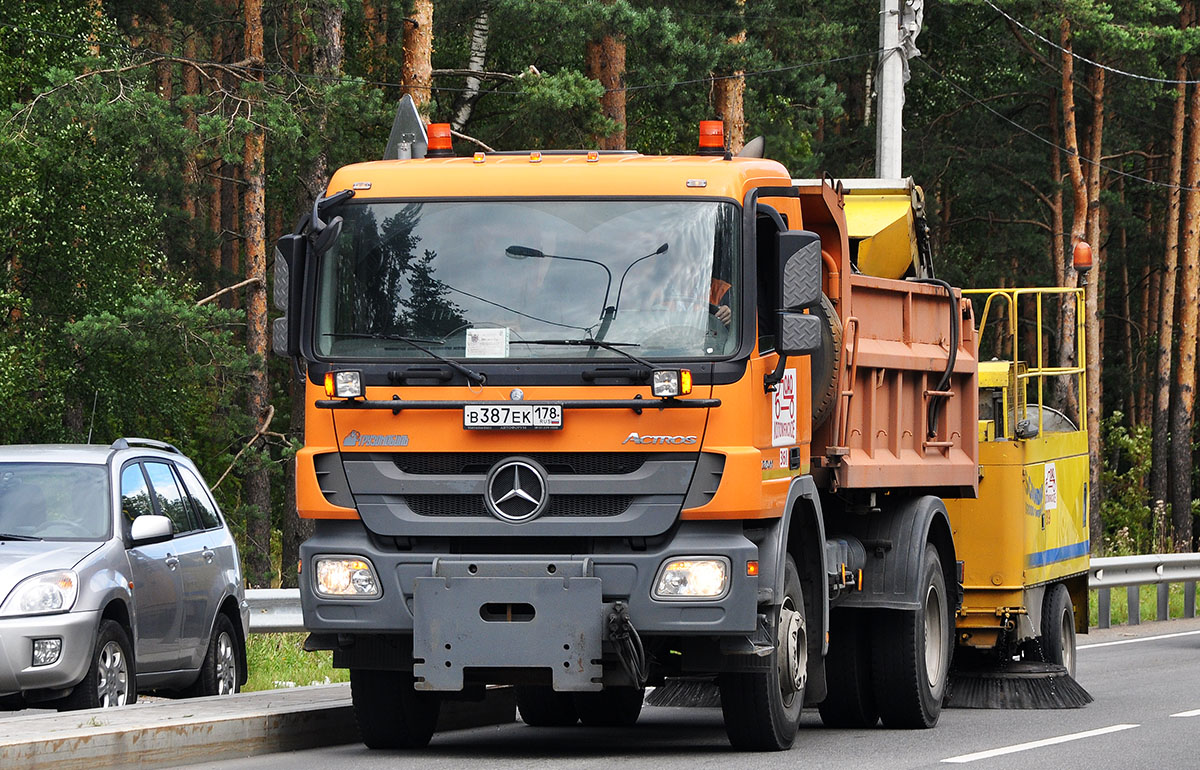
[278, 609]
[1133, 572]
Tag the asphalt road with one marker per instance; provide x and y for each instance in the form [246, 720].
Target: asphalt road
[1146, 714]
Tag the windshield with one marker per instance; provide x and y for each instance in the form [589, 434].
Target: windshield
[514, 279]
[54, 501]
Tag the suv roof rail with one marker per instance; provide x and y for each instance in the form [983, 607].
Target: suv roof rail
[126, 443]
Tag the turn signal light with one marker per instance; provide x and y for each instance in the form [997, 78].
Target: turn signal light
[343, 384]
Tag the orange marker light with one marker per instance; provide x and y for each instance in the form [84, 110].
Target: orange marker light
[751, 569]
[685, 382]
[593, 156]
[1081, 258]
[329, 387]
[535, 157]
[440, 142]
[480, 157]
[712, 137]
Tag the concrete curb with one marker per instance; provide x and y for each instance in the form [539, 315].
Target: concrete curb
[209, 729]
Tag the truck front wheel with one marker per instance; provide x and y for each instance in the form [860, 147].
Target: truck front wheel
[911, 653]
[389, 712]
[762, 708]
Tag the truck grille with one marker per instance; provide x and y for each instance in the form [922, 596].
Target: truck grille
[555, 463]
[559, 506]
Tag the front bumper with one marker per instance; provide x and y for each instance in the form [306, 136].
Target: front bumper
[612, 572]
[17, 672]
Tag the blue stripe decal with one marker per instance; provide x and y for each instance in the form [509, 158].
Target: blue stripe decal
[1053, 555]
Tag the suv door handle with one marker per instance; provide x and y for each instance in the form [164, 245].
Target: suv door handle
[172, 561]
[208, 554]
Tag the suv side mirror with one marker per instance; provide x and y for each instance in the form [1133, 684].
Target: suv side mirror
[150, 528]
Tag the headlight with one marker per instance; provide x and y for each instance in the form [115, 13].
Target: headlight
[343, 384]
[667, 383]
[338, 576]
[41, 594]
[692, 579]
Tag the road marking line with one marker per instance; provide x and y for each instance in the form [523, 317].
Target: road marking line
[1139, 639]
[961, 759]
[1192, 713]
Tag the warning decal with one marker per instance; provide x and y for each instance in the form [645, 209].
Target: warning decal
[784, 410]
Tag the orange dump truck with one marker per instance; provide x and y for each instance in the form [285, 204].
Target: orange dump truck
[583, 422]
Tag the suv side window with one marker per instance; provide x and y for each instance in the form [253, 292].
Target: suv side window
[135, 494]
[204, 506]
[170, 499]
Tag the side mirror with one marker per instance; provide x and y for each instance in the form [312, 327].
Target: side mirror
[799, 334]
[799, 269]
[290, 258]
[151, 529]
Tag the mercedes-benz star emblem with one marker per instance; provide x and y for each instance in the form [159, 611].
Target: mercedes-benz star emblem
[516, 490]
[516, 394]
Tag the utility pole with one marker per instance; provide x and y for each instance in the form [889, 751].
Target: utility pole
[889, 85]
[899, 25]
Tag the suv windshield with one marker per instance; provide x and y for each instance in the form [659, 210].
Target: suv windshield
[510, 279]
[54, 501]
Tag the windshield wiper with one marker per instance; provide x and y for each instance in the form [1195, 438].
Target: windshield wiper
[8, 536]
[470, 374]
[592, 342]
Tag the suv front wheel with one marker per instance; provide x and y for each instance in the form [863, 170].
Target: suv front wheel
[111, 677]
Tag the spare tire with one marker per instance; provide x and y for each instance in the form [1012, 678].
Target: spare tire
[825, 362]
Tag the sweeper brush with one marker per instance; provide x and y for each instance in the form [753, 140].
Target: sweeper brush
[1016, 685]
[686, 693]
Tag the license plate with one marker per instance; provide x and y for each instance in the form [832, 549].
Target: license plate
[513, 417]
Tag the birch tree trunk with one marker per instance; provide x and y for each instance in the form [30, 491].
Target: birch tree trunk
[1161, 421]
[1067, 341]
[257, 484]
[416, 76]
[476, 61]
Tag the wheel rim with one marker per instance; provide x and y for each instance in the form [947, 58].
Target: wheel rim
[226, 665]
[112, 685]
[935, 637]
[792, 651]
[1067, 637]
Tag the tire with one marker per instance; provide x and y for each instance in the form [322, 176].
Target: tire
[111, 678]
[221, 672]
[541, 706]
[1058, 628]
[614, 707]
[851, 698]
[762, 708]
[824, 362]
[390, 713]
[911, 654]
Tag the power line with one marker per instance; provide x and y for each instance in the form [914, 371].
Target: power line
[1044, 140]
[1086, 60]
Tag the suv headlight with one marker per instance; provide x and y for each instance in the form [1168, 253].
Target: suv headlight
[345, 577]
[42, 594]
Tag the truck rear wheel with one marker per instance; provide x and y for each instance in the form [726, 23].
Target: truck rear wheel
[851, 698]
[541, 706]
[389, 712]
[911, 653]
[613, 707]
[762, 708]
[1058, 628]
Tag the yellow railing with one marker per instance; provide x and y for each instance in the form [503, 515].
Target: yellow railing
[1037, 368]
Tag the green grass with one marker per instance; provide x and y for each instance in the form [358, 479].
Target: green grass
[1147, 604]
[279, 660]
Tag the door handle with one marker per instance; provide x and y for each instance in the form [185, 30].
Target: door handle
[172, 561]
[208, 554]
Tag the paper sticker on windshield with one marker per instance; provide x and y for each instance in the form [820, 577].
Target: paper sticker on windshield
[487, 342]
[784, 410]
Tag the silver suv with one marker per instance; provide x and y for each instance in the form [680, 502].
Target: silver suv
[117, 575]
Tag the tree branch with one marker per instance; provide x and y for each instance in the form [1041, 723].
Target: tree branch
[257, 434]
[226, 290]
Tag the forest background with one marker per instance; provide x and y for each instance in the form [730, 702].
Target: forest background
[151, 151]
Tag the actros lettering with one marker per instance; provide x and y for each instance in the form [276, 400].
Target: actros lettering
[634, 438]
